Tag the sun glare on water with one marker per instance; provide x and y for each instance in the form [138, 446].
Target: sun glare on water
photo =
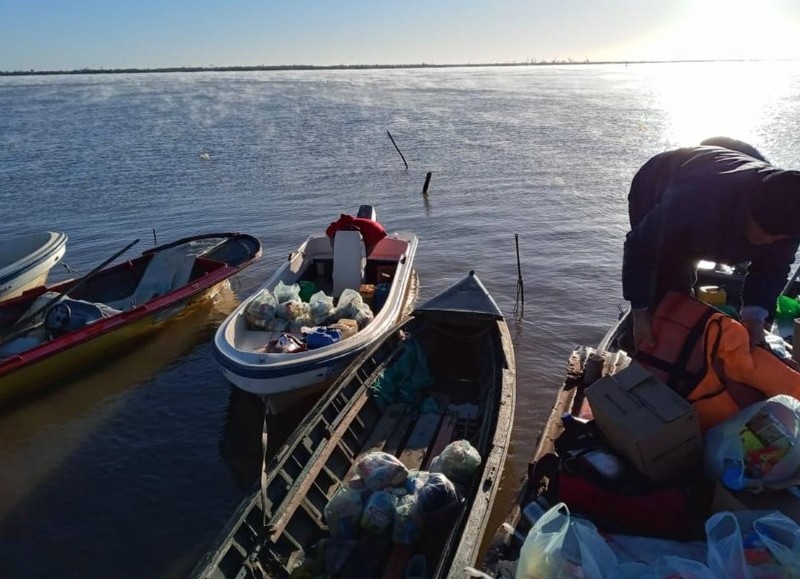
[724, 98]
[703, 99]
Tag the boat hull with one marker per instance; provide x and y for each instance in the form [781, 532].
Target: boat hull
[32, 269]
[96, 349]
[283, 379]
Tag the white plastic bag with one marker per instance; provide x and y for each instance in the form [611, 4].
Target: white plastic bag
[648, 550]
[285, 293]
[665, 567]
[781, 535]
[342, 513]
[378, 513]
[320, 308]
[407, 521]
[729, 535]
[457, 461]
[560, 546]
[727, 458]
[379, 470]
[261, 310]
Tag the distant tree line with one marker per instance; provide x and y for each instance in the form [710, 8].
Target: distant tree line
[270, 68]
[529, 62]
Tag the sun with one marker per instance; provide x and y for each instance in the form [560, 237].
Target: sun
[727, 30]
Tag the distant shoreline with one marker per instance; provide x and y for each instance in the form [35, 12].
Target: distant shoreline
[294, 67]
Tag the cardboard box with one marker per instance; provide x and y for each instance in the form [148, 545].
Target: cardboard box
[647, 422]
[783, 501]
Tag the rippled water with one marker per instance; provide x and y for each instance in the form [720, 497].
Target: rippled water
[132, 468]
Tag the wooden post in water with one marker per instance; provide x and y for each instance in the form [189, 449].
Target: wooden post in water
[398, 149]
[427, 181]
[520, 300]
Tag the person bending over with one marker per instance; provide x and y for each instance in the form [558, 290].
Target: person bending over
[715, 203]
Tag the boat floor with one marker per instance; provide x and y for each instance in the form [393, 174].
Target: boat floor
[258, 340]
[415, 438]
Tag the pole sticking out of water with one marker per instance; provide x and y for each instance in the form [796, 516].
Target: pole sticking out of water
[519, 302]
[155, 239]
[427, 181]
[398, 149]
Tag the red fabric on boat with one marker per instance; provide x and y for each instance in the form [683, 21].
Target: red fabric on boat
[661, 513]
[371, 230]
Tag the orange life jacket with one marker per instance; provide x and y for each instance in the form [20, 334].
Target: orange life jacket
[679, 326]
[705, 356]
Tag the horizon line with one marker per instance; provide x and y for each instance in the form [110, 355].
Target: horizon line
[285, 67]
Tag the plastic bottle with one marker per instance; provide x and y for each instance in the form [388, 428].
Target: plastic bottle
[534, 510]
[732, 475]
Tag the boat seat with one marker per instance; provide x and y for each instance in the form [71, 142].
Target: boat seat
[349, 260]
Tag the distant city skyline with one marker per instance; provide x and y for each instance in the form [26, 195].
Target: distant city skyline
[46, 35]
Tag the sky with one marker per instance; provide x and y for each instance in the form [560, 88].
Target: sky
[97, 34]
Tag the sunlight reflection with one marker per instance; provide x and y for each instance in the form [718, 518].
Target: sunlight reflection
[707, 99]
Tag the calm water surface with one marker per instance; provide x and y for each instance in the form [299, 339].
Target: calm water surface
[131, 469]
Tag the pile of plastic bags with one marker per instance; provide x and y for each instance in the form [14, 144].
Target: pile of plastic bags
[386, 501]
[385, 497]
[758, 449]
[283, 310]
[744, 545]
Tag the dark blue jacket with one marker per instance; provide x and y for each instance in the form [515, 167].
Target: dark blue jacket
[692, 204]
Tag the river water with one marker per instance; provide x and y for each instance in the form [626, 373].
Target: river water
[133, 467]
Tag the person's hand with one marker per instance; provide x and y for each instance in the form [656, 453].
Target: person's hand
[642, 329]
[755, 328]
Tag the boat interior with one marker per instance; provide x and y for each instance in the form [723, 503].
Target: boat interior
[414, 424]
[673, 510]
[351, 265]
[560, 447]
[122, 287]
[23, 246]
[319, 269]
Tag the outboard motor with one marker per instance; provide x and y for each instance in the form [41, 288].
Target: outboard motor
[367, 212]
[69, 315]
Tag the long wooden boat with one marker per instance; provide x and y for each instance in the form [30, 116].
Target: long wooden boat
[539, 487]
[26, 261]
[49, 333]
[245, 344]
[461, 337]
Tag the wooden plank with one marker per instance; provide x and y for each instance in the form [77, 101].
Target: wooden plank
[378, 437]
[394, 442]
[383, 429]
[416, 448]
[443, 437]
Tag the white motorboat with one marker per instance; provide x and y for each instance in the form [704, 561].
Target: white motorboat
[26, 261]
[356, 292]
